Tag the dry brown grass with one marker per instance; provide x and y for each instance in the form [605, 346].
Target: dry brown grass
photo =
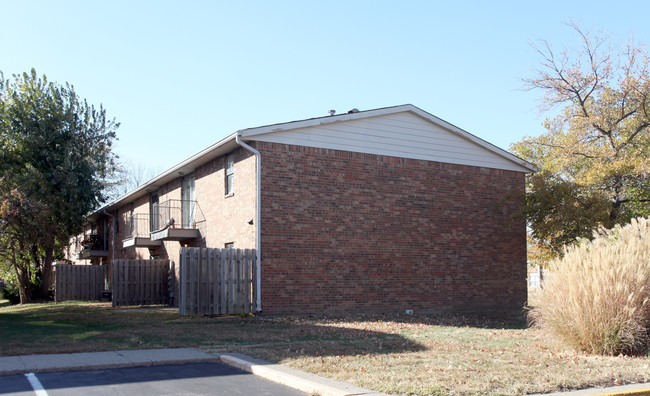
[598, 296]
[394, 354]
[452, 356]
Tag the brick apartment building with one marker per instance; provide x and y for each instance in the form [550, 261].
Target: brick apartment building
[383, 210]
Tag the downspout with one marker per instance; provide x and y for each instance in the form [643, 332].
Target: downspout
[112, 244]
[258, 214]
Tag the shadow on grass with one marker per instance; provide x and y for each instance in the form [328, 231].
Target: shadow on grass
[301, 336]
[507, 320]
[87, 327]
[67, 328]
[351, 335]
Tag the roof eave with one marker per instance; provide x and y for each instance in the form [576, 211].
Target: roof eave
[477, 140]
[189, 165]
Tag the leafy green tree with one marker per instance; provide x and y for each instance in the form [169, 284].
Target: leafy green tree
[55, 152]
[594, 155]
[24, 223]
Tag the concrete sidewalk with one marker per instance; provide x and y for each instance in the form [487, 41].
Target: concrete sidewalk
[101, 360]
[305, 382]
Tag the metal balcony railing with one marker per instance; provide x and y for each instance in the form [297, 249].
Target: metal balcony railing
[137, 226]
[178, 213]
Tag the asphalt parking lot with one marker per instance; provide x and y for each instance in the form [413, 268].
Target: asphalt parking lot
[182, 379]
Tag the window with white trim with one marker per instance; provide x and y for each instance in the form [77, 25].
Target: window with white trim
[230, 174]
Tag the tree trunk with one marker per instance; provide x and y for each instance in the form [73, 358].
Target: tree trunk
[615, 211]
[25, 295]
[46, 273]
[24, 284]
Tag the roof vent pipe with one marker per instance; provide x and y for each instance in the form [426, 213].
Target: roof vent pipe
[332, 112]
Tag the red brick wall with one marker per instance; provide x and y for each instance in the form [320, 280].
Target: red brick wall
[226, 217]
[351, 232]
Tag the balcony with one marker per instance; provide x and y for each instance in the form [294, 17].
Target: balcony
[138, 232]
[180, 220]
[93, 246]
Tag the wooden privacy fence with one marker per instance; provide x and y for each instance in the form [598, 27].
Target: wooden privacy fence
[78, 282]
[216, 281]
[140, 282]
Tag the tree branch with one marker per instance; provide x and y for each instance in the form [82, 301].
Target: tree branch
[638, 130]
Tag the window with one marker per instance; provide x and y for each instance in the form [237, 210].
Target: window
[229, 245]
[230, 173]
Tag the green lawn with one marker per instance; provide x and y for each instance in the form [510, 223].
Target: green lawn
[393, 354]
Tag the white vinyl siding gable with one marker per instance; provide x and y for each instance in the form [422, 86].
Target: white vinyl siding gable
[402, 134]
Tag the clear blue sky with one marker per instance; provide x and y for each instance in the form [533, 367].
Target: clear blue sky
[181, 75]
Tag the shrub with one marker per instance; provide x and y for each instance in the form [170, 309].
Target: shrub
[597, 297]
[10, 293]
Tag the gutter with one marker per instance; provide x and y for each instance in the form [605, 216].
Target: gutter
[258, 214]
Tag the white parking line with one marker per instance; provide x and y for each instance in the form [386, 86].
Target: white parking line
[36, 384]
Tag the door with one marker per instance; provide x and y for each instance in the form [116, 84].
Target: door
[154, 213]
[188, 203]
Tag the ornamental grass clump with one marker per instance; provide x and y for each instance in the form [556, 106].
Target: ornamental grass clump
[597, 297]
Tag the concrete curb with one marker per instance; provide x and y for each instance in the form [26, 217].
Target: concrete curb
[640, 392]
[296, 379]
[101, 360]
[621, 390]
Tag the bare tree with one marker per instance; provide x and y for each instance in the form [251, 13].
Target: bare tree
[595, 152]
[128, 176]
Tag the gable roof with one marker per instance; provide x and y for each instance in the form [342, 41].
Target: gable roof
[403, 131]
